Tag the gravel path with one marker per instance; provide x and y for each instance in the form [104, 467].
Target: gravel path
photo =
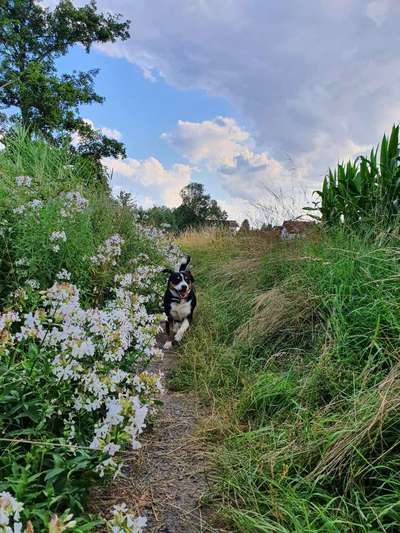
[166, 479]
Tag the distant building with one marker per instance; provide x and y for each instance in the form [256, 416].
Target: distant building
[294, 229]
[231, 224]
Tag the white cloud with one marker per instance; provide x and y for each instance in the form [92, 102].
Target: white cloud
[150, 173]
[239, 209]
[378, 10]
[214, 142]
[310, 167]
[314, 82]
[260, 187]
[298, 72]
[112, 133]
[223, 146]
[253, 176]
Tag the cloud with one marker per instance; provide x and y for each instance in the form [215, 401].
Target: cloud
[150, 174]
[109, 132]
[214, 142]
[222, 146]
[112, 133]
[310, 166]
[254, 176]
[297, 72]
[260, 187]
[378, 10]
[313, 82]
[239, 209]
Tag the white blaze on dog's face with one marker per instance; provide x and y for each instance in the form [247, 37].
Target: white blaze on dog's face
[181, 283]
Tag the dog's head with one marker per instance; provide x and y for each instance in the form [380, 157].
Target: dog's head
[180, 282]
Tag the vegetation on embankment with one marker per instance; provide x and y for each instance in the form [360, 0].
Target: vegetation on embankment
[80, 298]
[295, 349]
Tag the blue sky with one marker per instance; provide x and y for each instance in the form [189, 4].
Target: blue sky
[142, 110]
[251, 98]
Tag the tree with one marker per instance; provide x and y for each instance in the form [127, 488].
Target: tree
[245, 225]
[125, 199]
[197, 208]
[160, 216]
[46, 102]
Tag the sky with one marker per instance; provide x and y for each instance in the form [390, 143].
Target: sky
[255, 99]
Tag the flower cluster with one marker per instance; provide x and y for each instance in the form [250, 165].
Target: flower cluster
[23, 261]
[124, 522]
[10, 521]
[8, 318]
[10, 510]
[94, 352]
[170, 251]
[88, 345]
[58, 236]
[33, 204]
[108, 251]
[63, 275]
[32, 283]
[23, 181]
[74, 202]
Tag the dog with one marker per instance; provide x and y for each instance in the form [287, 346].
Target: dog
[179, 302]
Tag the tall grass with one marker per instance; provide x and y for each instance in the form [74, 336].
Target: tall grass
[296, 349]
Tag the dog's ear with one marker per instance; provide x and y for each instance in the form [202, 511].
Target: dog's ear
[191, 276]
[167, 271]
[184, 263]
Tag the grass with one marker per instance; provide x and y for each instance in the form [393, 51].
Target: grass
[295, 350]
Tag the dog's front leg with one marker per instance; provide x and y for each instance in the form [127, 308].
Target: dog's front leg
[181, 331]
[169, 328]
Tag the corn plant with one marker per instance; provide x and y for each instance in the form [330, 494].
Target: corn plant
[366, 189]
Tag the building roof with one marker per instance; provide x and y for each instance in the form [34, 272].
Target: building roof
[297, 226]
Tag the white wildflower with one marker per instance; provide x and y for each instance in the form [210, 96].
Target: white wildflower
[23, 181]
[32, 283]
[63, 275]
[22, 262]
[58, 236]
[19, 210]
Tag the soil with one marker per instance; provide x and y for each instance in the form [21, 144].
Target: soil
[168, 478]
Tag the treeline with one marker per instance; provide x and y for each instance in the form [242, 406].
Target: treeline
[197, 209]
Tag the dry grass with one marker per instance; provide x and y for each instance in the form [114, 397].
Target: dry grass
[205, 237]
[275, 311]
[372, 409]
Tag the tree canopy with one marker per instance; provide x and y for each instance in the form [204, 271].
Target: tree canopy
[197, 208]
[44, 101]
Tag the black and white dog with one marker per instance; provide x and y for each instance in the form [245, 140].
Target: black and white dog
[179, 302]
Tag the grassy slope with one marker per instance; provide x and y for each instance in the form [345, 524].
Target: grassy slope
[295, 348]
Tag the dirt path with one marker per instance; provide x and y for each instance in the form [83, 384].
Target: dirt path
[166, 479]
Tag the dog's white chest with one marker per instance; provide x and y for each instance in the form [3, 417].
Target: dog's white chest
[180, 311]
